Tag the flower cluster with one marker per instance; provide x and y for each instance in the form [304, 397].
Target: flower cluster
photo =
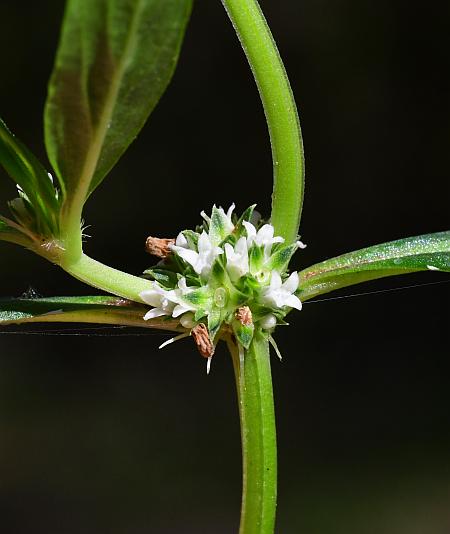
[209, 276]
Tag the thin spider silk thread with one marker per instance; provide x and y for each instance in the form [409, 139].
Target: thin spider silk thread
[90, 331]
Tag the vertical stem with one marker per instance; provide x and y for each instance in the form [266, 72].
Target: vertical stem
[280, 110]
[259, 448]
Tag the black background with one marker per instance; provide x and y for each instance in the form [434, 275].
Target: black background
[109, 435]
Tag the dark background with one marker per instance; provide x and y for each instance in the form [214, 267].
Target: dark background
[108, 435]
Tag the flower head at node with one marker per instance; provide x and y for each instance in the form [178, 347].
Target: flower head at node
[230, 275]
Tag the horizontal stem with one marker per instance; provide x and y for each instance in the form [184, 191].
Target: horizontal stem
[101, 317]
[106, 278]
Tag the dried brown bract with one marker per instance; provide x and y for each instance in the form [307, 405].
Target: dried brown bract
[202, 340]
[244, 315]
[159, 247]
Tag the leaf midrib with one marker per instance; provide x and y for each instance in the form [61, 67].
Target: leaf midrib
[93, 154]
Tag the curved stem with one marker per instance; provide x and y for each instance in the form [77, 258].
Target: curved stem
[111, 280]
[258, 434]
[280, 110]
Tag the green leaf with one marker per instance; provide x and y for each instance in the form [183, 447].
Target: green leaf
[32, 178]
[105, 310]
[13, 234]
[114, 61]
[421, 253]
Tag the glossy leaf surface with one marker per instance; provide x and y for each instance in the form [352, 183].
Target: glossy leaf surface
[114, 61]
[421, 253]
[105, 310]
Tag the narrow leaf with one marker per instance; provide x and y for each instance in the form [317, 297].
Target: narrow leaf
[102, 310]
[114, 61]
[421, 253]
[10, 233]
[32, 178]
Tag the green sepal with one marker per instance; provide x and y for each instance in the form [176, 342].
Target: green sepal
[168, 279]
[248, 286]
[246, 216]
[219, 275]
[214, 321]
[243, 333]
[199, 314]
[200, 298]
[279, 260]
[218, 226]
[192, 238]
[256, 258]
[420, 253]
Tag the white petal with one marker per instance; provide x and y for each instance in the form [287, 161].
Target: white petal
[230, 210]
[204, 244]
[293, 302]
[181, 241]
[204, 216]
[291, 283]
[275, 280]
[150, 296]
[265, 235]
[300, 244]
[229, 252]
[251, 230]
[184, 288]
[241, 246]
[187, 255]
[181, 308]
[155, 312]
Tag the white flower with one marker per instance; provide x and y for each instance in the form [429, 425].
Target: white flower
[237, 259]
[202, 260]
[162, 300]
[165, 301]
[279, 294]
[262, 238]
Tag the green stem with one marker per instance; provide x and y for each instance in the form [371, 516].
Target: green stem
[259, 447]
[281, 114]
[106, 278]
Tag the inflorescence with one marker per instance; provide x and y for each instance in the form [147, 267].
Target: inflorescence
[230, 275]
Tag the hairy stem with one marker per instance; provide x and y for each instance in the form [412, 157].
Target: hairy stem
[111, 280]
[280, 110]
[259, 448]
